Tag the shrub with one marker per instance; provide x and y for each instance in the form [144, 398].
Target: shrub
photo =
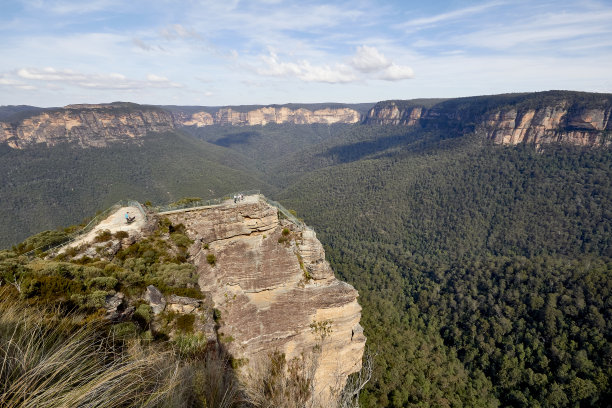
[121, 234]
[185, 323]
[124, 330]
[103, 236]
[181, 240]
[103, 283]
[43, 240]
[171, 274]
[286, 232]
[143, 315]
[95, 300]
[211, 259]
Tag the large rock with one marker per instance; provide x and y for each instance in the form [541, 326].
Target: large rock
[88, 125]
[275, 291]
[155, 299]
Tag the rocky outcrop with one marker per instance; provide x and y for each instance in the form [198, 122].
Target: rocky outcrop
[550, 124]
[274, 290]
[391, 114]
[100, 125]
[273, 114]
[87, 125]
[526, 120]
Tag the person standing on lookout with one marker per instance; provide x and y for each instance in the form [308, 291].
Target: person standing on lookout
[127, 216]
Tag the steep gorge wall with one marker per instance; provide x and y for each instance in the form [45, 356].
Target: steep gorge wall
[99, 125]
[88, 125]
[561, 122]
[275, 291]
[272, 114]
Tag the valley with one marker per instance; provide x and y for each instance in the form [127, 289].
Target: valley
[478, 231]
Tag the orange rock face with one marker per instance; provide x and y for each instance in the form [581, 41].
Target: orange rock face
[275, 291]
[88, 125]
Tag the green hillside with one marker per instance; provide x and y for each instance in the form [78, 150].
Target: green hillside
[45, 188]
[486, 269]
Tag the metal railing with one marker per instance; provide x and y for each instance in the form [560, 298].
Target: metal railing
[190, 203]
[87, 228]
[286, 213]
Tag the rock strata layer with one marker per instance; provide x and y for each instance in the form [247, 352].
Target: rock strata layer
[564, 121]
[87, 125]
[272, 114]
[275, 291]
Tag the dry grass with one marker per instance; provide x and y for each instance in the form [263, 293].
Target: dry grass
[50, 362]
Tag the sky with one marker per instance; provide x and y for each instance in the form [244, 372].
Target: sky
[236, 52]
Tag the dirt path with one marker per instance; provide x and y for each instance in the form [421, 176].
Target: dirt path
[114, 222]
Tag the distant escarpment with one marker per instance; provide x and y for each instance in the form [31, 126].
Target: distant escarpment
[87, 125]
[272, 114]
[99, 125]
[538, 118]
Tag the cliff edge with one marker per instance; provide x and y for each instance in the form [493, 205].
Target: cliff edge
[274, 291]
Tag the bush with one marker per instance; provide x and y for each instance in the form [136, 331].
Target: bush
[121, 234]
[143, 315]
[103, 283]
[103, 236]
[181, 240]
[211, 259]
[170, 274]
[286, 232]
[185, 323]
[43, 240]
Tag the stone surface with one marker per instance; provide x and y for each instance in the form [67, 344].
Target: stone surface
[260, 286]
[155, 299]
[273, 114]
[182, 304]
[562, 122]
[88, 125]
[100, 125]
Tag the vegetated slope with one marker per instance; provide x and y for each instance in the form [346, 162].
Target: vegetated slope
[269, 144]
[47, 187]
[482, 270]
[8, 111]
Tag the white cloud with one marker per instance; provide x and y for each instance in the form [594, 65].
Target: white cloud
[305, 71]
[419, 23]
[177, 31]
[369, 59]
[397, 73]
[94, 81]
[12, 83]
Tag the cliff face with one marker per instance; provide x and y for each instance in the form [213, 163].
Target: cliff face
[561, 122]
[551, 124]
[271, 114]
[99, 125]
[275, 291]
[88, 125]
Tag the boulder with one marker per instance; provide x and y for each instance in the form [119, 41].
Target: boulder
[155, 299]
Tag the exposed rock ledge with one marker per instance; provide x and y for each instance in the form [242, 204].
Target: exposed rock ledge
[272, 285]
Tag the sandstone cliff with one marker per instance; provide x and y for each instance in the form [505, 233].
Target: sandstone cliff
[272, 114]
[275, 291]
[88, 125]
[555, 118]
[99, 125]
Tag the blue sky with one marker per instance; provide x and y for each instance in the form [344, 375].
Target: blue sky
[234, 52]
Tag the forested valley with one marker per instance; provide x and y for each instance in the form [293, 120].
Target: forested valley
[484, 271]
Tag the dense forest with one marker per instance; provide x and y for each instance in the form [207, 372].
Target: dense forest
[484, 271]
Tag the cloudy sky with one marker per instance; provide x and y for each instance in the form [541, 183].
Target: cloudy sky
[230, 52]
